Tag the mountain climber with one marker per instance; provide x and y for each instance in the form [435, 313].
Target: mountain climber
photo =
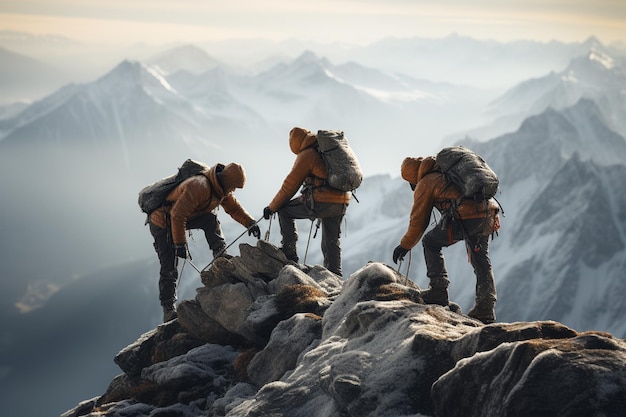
[471, 221]
[317, 201]
[191, 205]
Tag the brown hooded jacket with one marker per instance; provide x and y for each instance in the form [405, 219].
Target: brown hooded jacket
[432, 190]
[201, 194]
[308, 170]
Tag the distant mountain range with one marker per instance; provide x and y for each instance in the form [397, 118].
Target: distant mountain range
[23, 77]
[596, 76]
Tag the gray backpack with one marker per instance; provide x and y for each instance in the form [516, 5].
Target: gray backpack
[153, 196]
[344, 171]
[468, 171]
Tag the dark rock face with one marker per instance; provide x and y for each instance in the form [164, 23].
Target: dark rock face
[291, 340]
[583, 375]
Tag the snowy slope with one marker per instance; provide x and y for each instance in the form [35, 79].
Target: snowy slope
[562, 249]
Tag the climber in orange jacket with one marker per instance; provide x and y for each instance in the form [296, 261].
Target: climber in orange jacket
[191, 205]
[317, 201]
[471, 221]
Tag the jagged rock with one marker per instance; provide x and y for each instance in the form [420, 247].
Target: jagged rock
[235, 396]
[288, 340]
[329, 282]
[301, 298]
[290, 275]
[227, 305]
[261, 262]
[264, 262]
[273, 253]
[371, 349]
[364, 284]
[122, 387]
[262, 317]
[136, 356]
[82, 409]
[199, 373]
[179, 386]
[195, 321]
[242, 271]
[221, 271]
[581, 376]
[177, 345]
[395, 291]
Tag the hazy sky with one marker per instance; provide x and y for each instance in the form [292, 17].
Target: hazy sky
[351, 21]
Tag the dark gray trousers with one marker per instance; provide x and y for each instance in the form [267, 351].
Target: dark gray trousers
[478, 250]
[330, 214]
[168, 275]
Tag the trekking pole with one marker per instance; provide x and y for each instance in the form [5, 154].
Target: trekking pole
[307, 243]
[317, 226]
[269, 227]
[408, 265]
[231, 244]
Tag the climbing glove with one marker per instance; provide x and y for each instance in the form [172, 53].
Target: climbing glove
[267, 213]
[180, 250]
[253, 230]
[398, 254]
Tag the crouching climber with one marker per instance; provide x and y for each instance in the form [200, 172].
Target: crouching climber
[191, 205]
[468, 220]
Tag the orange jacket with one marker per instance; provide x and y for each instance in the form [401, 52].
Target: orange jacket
[201, 194]
[308, 169]
[432, 190]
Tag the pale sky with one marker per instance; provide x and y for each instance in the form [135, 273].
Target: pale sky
[349, 21]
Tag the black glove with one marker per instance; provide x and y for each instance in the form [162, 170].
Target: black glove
[180, 250]
[253, 230]
[398, 254]
[267, 213]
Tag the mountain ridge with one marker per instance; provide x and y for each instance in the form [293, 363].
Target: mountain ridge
[264, 336]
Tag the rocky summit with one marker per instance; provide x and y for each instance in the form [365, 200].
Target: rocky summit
[267, 337]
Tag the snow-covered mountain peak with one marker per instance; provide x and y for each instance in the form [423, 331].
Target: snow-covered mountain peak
[593, 43]
[593, 68]
[597, 74]
[307, 57]
[186, 57]
[309, 63]
[129, 76]
[602, 58]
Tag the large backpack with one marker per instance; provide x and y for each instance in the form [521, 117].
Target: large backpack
[153, 196]
[344, 171]
[468, 171]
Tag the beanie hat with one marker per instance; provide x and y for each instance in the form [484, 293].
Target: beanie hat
[232, 176]
[410, 169]
[300, 138]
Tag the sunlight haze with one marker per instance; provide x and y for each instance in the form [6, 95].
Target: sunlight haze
[350, 21]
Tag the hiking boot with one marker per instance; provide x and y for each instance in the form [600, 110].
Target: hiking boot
[221, 253]
[290, 252]
[483, 314]
[435, 296]
[169, 313]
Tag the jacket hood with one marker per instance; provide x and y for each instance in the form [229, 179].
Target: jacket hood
[300, 138]
[227, 177]
[413, 169]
